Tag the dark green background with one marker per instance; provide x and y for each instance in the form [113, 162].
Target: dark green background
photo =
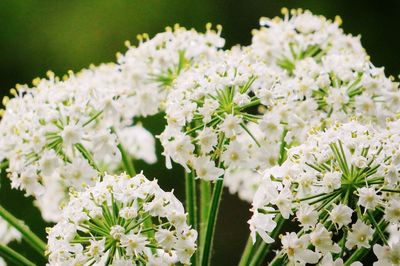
[36, 36]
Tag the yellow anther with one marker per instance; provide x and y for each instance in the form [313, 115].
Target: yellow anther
[118, 55]
[219, 28]
[1, 112]
[276, 19]
[284, 11]
[35, 81]
[168, 29]
[49, 73]
[338, 20]
[5, 100]
[139, 37]
[208, 26]
[13, 92]
[146, 36]
[177, 26]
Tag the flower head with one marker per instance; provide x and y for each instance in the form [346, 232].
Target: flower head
[353, 212]
[122, 218]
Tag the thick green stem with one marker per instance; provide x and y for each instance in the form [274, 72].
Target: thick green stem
[205, 196]
[248, 251]
[191, 200]
[211, 222]
[264, 248]
[33, 240]
[14, 257]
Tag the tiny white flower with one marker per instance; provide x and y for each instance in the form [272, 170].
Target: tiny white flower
[359, 236]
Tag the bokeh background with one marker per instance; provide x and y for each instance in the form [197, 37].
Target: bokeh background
[58, 35]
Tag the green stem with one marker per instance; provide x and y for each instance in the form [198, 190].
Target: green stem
[282, 150]
[126, 159]
[249, 250]
[14, 257]
[33, 240]
[264, 248]
[87, 155]
[190, 190]
[211, 222]
[205, 196]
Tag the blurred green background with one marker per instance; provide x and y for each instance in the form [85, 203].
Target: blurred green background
[36, 36]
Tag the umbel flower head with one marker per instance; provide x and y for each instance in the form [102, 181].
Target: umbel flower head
[299, 35]
[210, 106]
[58, 134]
[328, 77]
[122, 220]
[341, 186]
[151, 68]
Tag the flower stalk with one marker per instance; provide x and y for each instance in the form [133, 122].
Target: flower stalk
[211, 222]
[31, 238]
[14, 257]
[191, 205]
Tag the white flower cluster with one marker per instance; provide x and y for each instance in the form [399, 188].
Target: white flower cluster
[122, 220]
[328, 78]
[342, 188]
[211, 105]
[301, 34]
[60, 133]
[152, 67]
[244, 108]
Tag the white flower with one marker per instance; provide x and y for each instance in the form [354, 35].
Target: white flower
[387, 255]
[262, 224]
[307, 216]
[341, 215]
[135, 244]
[207, 140]
[368, 198]
[321, 238]
[231, 125]
[296, 249]
[139, 143]
[331, 181]
[234, 155]
[359, 236]
[71, 134]
[392, 211]
[205, 169]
